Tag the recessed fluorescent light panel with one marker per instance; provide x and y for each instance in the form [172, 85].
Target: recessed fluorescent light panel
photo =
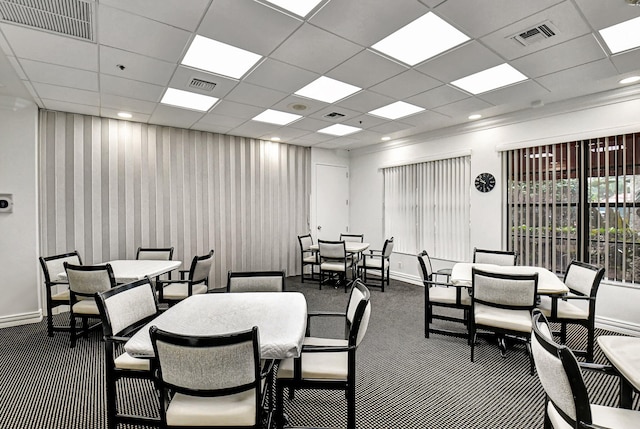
[339, 130]
[486, 80]
[396, 110]
[217, 57]
[623, 36]
[299, 7]
[630, 79]
[188, 100]
[421, 39]
[327, 90]
[276, 117]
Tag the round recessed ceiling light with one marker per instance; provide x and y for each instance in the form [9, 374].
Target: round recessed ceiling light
[275, 139]
[125, 115]
[476, 116]
[298, 107]
[385, 138]
[630, 79]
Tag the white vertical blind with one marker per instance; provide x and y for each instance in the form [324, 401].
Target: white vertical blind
[426, 206]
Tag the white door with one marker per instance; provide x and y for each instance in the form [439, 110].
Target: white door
[332, 201]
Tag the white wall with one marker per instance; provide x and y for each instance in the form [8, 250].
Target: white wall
[20, 285]
[614, 310]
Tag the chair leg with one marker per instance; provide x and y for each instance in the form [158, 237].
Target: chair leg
[72, 329]
[473, 343]
[351, 406]
[590, 341]
[531, 363]
[563, 333]
[49, 323]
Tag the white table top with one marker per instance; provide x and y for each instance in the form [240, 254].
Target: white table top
[130, 270]
[548, 282]
[281, 318]
[350, 246]
[623, 353]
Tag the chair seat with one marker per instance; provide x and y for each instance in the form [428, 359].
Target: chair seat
[232, 410]
[178, 291]
[375, 263]
[310, 259]
[566, 310]
[334, 266]
[126, 361]
[447, 295]
[86, 306]
[609, 417]
[61, 296]
[324, 366]
[514, 320]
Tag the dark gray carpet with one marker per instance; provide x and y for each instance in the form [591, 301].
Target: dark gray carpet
[404, 380]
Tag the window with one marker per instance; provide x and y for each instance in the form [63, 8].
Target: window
[577, 200]
[426, 206]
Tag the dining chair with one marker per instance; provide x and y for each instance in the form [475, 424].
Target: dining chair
[255, 281]
[84, 282]
[566, 400]
[209, 381]
[124, 310]
[328, 363]
[496, 257]
[502, 304]
[197, 281]
[156, 254]
[56, 290]
[334, 262]
[308, 257]
[353, 238]
[377, 261]
[583, 281]
[445, 295]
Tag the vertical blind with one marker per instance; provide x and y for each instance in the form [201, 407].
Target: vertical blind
[108, 186]
[426, 206]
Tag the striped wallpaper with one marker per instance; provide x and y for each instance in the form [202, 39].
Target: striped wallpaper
[108, 186]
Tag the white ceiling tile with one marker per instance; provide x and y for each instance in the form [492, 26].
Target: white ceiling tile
[322, 114]
[436, 97]
[378, 69]
[352, 19]
[59, 75]
[405, 85]
[126, 31]
[248, 25]
[520, 94]
[463, 108]
[238, 110]
[365, 101]
[286, 134]
[214, 118]
[365, 121]
[107, 112]
[603, 14]
[137, 67]
[18, 68]
[254, 129]
[425, 119]
[71, 95]
[51, 48]
[166, 11]
[294, 103]
[174, 116]
[254, 95]
[628, 61]
[311, 139]
[314, 49]
[390, 127]
[211, 128]
[577, 80]
[462, 61]
[130, 88]
[184, 75]
[280, 76]
[311, 124]
[64, 106]
[126, 104]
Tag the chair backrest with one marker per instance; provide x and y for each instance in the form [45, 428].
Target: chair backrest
[54, 265]
[332, 249]
[496, 257]
[387, 249]
[155, 253]
[201, 268]
[583, 279]
[255, 281]
[208, 365]
[560, 376]
[87, 280]
[514, 291]
[358, 238]
[358, 312]
[126, 308]
[426, 269]
[305, 242]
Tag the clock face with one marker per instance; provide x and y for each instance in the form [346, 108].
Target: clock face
[485, 182]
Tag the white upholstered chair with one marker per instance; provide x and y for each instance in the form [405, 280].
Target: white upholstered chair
[197, 282]
[334, 262]
[56, 290]
[377, 261]
[308, 257]
[255, 281]
[496, 257]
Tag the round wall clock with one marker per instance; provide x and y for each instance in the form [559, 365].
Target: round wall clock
[485, 182]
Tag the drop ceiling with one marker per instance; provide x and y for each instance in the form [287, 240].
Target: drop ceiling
[132, 53]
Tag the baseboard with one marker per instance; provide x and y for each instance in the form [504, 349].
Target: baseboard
[619, 326]
[407, 278]
[20, 319]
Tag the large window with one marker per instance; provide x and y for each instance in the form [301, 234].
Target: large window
[577, 200]
[426, 206]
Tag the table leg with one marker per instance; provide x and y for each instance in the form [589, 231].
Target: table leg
[626, 393]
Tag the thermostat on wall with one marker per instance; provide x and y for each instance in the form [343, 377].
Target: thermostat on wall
[6, 203]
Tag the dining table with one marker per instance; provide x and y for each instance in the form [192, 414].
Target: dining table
[350, 247]
[623, 352]
[130, 270]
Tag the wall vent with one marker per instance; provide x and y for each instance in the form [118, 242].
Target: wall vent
[202, 85]
[66, 17]
[334, 115]
[535, 34]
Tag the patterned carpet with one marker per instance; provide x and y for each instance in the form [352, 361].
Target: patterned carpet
[404, 380]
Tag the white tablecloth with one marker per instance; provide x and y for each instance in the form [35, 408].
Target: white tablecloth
[350, 246]
[281, 318]
[623, 353]
[130, 270]
[548, 282]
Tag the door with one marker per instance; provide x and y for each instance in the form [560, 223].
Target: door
[332, 201]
